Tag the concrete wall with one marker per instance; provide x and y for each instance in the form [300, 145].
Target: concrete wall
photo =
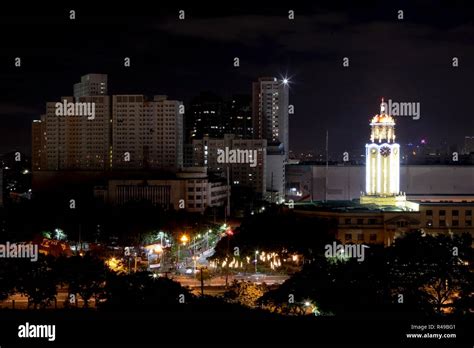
[347, 182]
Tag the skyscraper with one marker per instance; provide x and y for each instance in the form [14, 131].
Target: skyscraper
[468, 144]
[270, 112]
[73, 141]
[147, 134]
[133, 133]
[91, 85]
[240, 116]
[206, 154]
[206, 116]
[38, 146]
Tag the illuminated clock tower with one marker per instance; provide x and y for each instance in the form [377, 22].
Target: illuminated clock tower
[382, 168]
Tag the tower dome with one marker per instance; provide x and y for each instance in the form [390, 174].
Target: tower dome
[383, 126]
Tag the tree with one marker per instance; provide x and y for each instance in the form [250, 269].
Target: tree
[418, 274]
[143, 290]
[85, 276]
[275, 231]
[8, 275]
[245, 293]
[432, 271]
[37, 280]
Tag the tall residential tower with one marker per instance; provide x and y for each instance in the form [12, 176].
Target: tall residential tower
[270, 112]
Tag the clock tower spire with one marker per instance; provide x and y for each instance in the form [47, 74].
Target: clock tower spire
[382, 171]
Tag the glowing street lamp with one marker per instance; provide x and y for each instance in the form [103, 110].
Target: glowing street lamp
[59, 234]
[207, 238]
[256, 260]
[184, 239]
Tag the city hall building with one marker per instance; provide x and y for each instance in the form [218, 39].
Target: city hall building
[383, 212]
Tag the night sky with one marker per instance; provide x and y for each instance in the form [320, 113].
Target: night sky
[407, 60]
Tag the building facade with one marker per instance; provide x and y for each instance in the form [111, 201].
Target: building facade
[192, 191]
[270, 112]
[147, 134]
[347, 182]
[38, 145]
[252, 173]
[360, 224]
[91, 85]
[93, 131]
[73, 141]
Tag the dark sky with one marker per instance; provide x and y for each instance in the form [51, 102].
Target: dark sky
[407, 60]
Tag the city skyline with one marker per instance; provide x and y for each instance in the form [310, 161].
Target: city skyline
[391, 57]
[307, 166]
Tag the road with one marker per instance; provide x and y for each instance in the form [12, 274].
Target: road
[220, 281]
[21, 301]
[214, 286]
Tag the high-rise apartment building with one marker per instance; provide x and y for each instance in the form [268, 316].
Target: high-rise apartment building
[240, 116]
[38, 145]
[207, 115]
[68, 138]
[245, 158]
[147, 134]
[212, 116]
[270, 112]
[88, 132]
[468, 144]
[91, 85]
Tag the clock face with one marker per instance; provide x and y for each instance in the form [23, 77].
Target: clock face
[385, 151]
[373, 151]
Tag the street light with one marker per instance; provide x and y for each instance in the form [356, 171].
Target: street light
[198, 236]
[184, 239]
[256, 260]
[161, 235]
[59, 234]
[207, 239]
[195, 262]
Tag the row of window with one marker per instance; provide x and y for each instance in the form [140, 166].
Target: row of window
[453, 212]
[360, 237]
[190, 197]
[348, 221]
[198, 189]
[198, 205]
[443, 223]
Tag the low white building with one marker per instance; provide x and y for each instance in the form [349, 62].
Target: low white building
[192, 191]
